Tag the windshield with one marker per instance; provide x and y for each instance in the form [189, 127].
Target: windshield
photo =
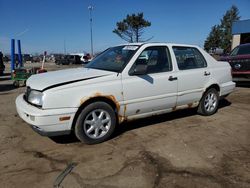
[113, 59]
[241, 50]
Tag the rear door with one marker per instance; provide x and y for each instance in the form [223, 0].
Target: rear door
[192, 76]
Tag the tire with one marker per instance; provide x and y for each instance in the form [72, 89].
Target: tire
[16, 83]
[209, 102]
[22, 83]
[90, 129]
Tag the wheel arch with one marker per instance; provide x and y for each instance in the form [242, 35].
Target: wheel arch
[215, 86]
[209, 86]
[107, 99]
[200, 108]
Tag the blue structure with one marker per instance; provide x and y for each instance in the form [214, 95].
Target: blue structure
[20, 59]
[13, 59]
[13, 55]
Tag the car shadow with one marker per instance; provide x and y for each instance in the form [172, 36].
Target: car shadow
[65, 139]
[224, 103]
[243, 84]
[6, 87]
[140, 123]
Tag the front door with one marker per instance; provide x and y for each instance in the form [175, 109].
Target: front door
[153, 91]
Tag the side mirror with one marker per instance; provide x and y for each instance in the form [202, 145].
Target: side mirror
[140, 69]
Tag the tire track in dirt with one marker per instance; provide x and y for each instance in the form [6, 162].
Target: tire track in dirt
[161, 170]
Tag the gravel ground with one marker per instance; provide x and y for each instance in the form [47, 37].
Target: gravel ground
[180, 149]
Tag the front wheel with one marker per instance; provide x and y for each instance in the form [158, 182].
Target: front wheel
[209, 102]
[95, 123]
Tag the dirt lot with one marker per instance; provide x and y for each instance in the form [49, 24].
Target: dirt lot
[180, 149]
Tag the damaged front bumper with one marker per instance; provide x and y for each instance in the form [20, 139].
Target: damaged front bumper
[46, 122]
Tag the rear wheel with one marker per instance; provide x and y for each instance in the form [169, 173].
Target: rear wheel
[209, 102]
[95, 123]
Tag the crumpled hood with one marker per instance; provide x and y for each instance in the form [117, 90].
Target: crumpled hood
[46, 80]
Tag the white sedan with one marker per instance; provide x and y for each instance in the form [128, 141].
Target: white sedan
[123, 83]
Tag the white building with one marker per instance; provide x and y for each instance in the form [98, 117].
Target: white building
[240, 32]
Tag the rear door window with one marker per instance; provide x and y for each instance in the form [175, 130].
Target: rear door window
[189, 58]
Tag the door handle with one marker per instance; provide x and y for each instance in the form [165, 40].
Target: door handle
[206, 73]
[171, 78]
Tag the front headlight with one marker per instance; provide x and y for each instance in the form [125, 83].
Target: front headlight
[35, 97]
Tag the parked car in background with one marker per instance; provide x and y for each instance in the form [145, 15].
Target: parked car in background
[75, 59]
[216, 51]
[68, 59]
[87, 58]
[27, 57]
[84, 57]
[57, 58]
[123, 83]
[37, 58]
[239, 59]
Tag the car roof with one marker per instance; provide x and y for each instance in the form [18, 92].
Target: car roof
[155, 43]
[247, 44]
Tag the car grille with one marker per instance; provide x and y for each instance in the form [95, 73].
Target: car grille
[240, 65]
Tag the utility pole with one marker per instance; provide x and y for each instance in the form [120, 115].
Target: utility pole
[90, 7]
